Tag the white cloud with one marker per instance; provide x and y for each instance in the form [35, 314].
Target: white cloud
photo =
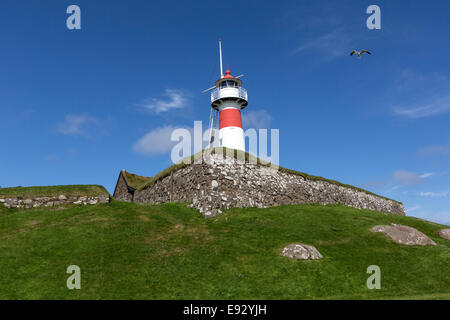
[259, 119]
[301, 17]
[155, 142]
[75, 125]
[333, 44]
[442, 217]
[176, 99]
[433, 107]
[373, 184]
[52, 157]
[420, 95]
[413, 208]
[435, 194]
[22, 116]
[406, 178]
[435, 150]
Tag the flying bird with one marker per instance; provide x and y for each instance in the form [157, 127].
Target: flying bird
[359, 53]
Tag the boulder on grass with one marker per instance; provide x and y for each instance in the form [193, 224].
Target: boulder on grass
[301, 251]
[404, 235]
[445, 233]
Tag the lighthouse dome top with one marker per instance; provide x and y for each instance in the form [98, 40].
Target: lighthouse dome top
[228, 80]
[228, 74]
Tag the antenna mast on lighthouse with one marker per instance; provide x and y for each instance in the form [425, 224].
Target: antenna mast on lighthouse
[214, 112]
[220, 57]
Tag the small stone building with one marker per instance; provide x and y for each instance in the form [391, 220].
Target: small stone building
[126, 185]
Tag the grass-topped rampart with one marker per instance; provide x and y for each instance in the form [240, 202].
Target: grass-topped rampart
[49, 191]
[134, 180]
[248, 159]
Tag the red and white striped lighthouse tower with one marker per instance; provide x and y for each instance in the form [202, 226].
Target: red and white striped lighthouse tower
[228, 98]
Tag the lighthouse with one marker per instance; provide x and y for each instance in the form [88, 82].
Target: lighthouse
[228, 98]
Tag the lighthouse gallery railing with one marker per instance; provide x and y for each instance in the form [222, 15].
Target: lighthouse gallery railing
[238, 92]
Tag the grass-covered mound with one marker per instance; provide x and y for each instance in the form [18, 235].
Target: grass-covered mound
[134, 180]
[248, 158]
[131, 251]
[67, 190]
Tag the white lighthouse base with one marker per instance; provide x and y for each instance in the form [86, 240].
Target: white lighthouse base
[232, 137]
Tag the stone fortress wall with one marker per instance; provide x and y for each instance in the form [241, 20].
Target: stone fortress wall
[223, 183]
[36, 202]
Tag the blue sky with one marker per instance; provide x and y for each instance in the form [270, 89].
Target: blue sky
[77, 106]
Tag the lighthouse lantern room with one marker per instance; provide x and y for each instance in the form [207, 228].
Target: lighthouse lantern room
[228, 97]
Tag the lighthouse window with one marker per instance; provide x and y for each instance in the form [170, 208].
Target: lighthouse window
[228, 83]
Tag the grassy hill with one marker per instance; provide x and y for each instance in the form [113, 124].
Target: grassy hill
[131, 251]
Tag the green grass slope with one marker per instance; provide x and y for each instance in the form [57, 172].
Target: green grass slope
[48, 191]
[131, 251]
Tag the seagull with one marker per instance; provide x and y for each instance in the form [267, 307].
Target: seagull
[359, 53]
